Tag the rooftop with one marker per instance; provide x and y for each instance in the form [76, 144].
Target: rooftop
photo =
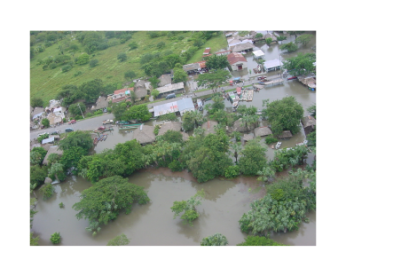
[235, 57]
[144, 134]
[273, 63]
[171, 87]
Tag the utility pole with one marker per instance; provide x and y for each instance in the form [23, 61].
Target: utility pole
[80, 110]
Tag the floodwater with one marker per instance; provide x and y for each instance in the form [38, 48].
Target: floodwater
[152, 224]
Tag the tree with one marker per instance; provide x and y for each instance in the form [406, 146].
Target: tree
[312, 110]
[304, 39]
[37, 175]
[45, 122]
[180, 75]
[281, 38]
[93, 63]
[55, 238]
[191, 120]
[122, 57]
[119, 240]
[104, 201]
[69, 94]
[217, 62]
[36, 102]
[83, 59]
[34, 240]
[129, 75]
[77, 138]
[259, 241]
[268, 40]
[266, 174]
[119, 110]
[236, 148]
[37, 155]
[188, 207]
[285, 114]
[47, 191]
[172, 136]
[137, 112]
[154, 81]
[160, 45]
[213, 79]
[215, 240]
[57, 170]
[300, 64]
[295, 33]
[76, 109]
[133, 45]
[32, 52]
[91, 90]
[71, 156]
[253, 158]
[311, 137]
[290, 47]
[258, 35]
[155, 93]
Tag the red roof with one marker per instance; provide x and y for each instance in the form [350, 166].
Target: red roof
[123, 90]
[207, 51]
[202, 64]
[235, 57]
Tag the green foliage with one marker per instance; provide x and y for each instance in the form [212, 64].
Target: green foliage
[47, 191]
[45, 122]
[133, 45]
[266, 174]
[156, 130]
[304, 39]
[76, 109]
[281, 38]
[37, 175]
[36, 102]
[172, 136]
[154, 82]
[122, 57]
[270, 215]
[285, 114]
[192, 119]
[34, 240]
[168, 117]
[285, 158]
[91, 90]
[312, 110]
[217, 62]
[253, 158]
[104, 201]
[53, 65]
[268, 40]
[61, 205]
[42, 137]
[93, 63]
[66, 68]
[161, 45]
[55, 238]
[76, 139]
[137, 112]
[258, 35]
[311, 139]
[188, 207]
[270, 139]
[300, 64]
[119, 110]
[236, 135]
[155, 93]
[119, 240]
[129, 75]
[213, 79]
[259, 241]
[232, 171]
[57, 170]
[180, 75]
[83, 59]
[215, 240]
[37, 155]
[290, 47]
[78, 73]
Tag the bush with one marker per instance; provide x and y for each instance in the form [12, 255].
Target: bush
[83, 59]
[175, 166]
[268, 41]
[53, 65]
[109, 109]
[259, 241]
[215, 240]
[66, 68]
[270, 139]
[78, 73]
[89, 114]
[45, 122]
[122, 57]
[160, 45]
[47, 191]
[129, 75]
[133, 45]
[55, 238]
[93, 62]
[232, 172]
[61, 205]
[37, 175]
[36, 102]
[156, 130]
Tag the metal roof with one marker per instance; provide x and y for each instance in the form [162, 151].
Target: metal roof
[166, 108]
[48, 140]
[185, 104]
[273, 63]
[171, 87]
[258, 53]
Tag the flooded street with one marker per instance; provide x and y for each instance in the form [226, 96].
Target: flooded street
[152, 224]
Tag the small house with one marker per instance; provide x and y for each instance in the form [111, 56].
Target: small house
[237, 61]
[175, 126]
[185, 136]
[102, 102]
[309, 124]
[38, 113]
[207, 51]
[248, 137]
[286, 134]
[140, 90]
[262, 131]
[164, 79]
[209, 127]
[191, 68]
[258, 54]
[144, 134]
[239, 126]
[126, 91]
[243, 47]
[172, 88]
[273, 65]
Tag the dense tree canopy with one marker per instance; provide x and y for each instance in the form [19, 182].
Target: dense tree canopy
[304, 39]
[36, 102]
[214, 240]
[37, 175]
[259, 241]
[285, 114]
[187, 207]
[290, 47]
[217, 62]
[76, 109]
[76, 139]
[91, 90]
[104, 201]
[180, 75]
[83, 59]
[300, 64]
[213, 79]
[253, 158]
[137, 112]
[37, 155]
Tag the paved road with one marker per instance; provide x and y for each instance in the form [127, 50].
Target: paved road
[88, 124]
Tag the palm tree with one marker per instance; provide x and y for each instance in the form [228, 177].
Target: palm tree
[55, 169]
[237, 148]
[266, 174]
[198, 118]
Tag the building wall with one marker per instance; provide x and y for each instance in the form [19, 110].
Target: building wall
[235, 65]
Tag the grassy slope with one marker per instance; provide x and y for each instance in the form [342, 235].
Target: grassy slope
[215, 44]
[46, 84]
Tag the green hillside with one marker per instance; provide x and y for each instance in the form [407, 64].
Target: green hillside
[45, 84]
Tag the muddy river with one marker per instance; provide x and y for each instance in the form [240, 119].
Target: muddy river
[224, 204]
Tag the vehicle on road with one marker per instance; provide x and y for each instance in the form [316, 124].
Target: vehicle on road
[41, 134]
[262, 78]
[69, 130]
[72, 122]
[54, 132]
[107, 121]
[101, 128]
[169, 96]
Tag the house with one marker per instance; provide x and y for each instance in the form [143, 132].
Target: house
[185, 105]
[269, 35]
[144, 134]
[117, 97]
[140, 89]
[163, 109]
[273, 65]
[248, 137]
[202, 64]
[218, 53]
[191, 68]
[209, 127]
[54, 119]
[185, 136]
[175, 126]
[309, 124]
[165, 79]
[233, 42]
[102, 102]
[286, 134]
[53, 104]
[237, 61]
[172, 88]
[126, 91]
[262, 131]
[258, 54]
[207, 51]
[238, 125]
[52, 150]
[247, 46]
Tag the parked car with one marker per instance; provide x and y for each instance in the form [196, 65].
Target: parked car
[107, 121]
[69, 130]
[54, 133]
[41, 134]
[169, 96]
[262, 78]
[101, 128]
[72, 122]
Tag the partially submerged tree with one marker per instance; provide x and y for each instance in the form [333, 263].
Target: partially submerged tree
[259, 241]
[77, 138]
[215, 240]
[217, 62]
[290, 47]
[119, 240]
[285, 114]
[213, 79]
[187, 207]
[253, 158]
[304, 39]
[300, 64]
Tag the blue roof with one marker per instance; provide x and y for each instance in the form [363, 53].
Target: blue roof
[185, 104]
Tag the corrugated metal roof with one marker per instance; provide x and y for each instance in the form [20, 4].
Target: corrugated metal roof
[166, 108]
[273, 63]
[185, 104]
[48, 140]
[171, 87]
[235, 57]
[258, 53]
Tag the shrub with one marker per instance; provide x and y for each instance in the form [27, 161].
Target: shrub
[270, 139]
[175, 166]
[55, 238]
[37, 175]
[122, 57]
[89, 114]
[268, 41]
[45, 122]
[61, 205]
[160, 45]
[133, 45]
[47, 191]
[215, 240]
[66, 68]
[93, 62]
[109, 109]
[53, 65]
[232, 172]
[83, 59]
[156, 130]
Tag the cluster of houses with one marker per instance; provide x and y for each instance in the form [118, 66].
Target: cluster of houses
[55, 114]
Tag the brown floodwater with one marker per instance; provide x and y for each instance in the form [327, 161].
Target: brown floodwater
[152, 224]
